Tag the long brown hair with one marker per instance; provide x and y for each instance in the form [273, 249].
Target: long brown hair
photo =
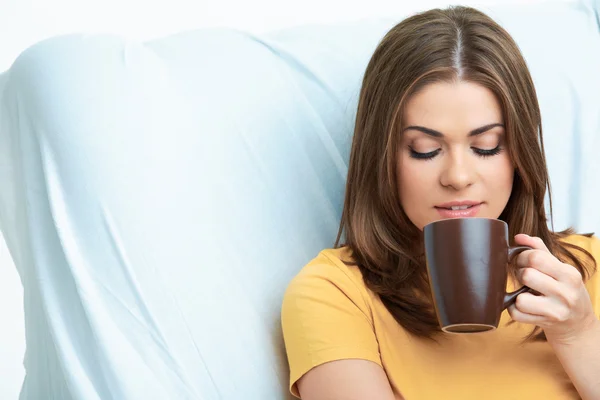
[458, 43]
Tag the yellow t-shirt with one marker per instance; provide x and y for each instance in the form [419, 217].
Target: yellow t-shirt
[329, 314]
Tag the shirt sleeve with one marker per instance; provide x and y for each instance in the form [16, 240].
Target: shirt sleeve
[325, 317]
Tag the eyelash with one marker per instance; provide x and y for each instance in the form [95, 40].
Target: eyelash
[480, 152]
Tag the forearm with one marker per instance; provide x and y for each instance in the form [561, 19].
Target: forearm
[580, 359]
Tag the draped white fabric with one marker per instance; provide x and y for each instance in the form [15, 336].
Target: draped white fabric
[157, 197]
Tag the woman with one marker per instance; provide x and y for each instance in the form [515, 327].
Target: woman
[448, 125]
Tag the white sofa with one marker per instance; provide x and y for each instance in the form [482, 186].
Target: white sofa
[157, 197]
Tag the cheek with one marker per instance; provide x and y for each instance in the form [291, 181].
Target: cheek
[415, 178]
[500, 174]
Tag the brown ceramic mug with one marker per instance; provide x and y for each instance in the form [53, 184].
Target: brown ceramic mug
[467, 262]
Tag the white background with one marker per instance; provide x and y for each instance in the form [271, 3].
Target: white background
[24, 22]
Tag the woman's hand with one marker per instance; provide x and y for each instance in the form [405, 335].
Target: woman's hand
[563, 308]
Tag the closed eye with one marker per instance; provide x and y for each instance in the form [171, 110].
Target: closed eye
[430, 155]
[487, 153]
[423, 156]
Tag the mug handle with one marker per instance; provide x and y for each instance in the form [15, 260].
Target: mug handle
[509, 298]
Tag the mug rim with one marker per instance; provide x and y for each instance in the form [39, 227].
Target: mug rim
[445, 220]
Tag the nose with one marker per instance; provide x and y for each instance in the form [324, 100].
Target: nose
[458, 173]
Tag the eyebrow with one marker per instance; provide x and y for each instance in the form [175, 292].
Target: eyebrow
[434, 133]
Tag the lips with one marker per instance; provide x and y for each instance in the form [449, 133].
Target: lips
[459, 209]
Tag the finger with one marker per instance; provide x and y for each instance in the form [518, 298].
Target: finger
[542, 306]
[539, 281]
[534, 305]
[531, 241]
[520, 316]
[547, 264]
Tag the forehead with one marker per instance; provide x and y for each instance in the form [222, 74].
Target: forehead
[448, 105]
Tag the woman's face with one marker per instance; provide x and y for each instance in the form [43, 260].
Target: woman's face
[452, 160]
